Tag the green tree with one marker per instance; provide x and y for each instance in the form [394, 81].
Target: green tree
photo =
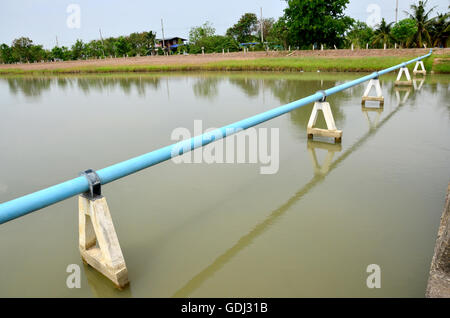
[6, 55]
[60, 53]
[423, 21]
[122, 46]
[200, 32]
[244, 30]
[382, 35]
[78, 50]
[94, 48]
[440, 30]
[360, 34]
[213, 44]
[267, 25]
[150, 39]
[21, 49]
[37, 53]
[279, 34]
[403, 31]
[317, 21]
[109, 45]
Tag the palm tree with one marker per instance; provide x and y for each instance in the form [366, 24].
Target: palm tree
[440, 30]
[423, 21]
[382, 34]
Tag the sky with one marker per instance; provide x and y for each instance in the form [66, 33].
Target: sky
[68, 20]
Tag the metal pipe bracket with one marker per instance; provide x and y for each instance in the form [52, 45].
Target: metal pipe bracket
[95, 185]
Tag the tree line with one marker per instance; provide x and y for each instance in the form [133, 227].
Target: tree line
[304, 24]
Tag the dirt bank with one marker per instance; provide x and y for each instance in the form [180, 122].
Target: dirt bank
[218, 57]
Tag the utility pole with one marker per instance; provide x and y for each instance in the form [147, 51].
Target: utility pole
[396, 11]
[162, 28]
[262, 28]
[57, 41]
[101, 38]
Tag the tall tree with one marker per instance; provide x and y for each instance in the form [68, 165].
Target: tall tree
[403, 31]
[6, 55]
[199, 32]
[150, 39]
[360, 34]
[244, 30]
[382, 34]
[317, 21]
[267, 25]
[78, 50]
[440, 30]
[21, 49]
[279, 34]
[424, 23]
[122, 46]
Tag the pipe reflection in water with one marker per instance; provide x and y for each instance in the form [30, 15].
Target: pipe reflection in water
[193, 284]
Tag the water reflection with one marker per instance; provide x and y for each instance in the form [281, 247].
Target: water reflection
[102, 286]
[250, 86]
[372, 123]
[33, 87]
[399, 91]
[207, 87]
[322, 169]
[246, 240]
[418, 83]
[30, 87]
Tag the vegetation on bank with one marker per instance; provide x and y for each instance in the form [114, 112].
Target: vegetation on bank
[304, 25]
[438, 64]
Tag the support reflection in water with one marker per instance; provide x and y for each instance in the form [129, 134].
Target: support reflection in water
[373, 124]
[331, 149]
[102, 286]
[418, 83]
[398, 91]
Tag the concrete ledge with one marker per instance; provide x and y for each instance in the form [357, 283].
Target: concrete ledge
[324, 132]
[403, 83]
[439, 280]
[373, 98]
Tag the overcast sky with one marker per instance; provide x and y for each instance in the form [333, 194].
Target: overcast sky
[43, 20]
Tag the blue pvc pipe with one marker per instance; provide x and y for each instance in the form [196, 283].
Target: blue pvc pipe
[40, 199]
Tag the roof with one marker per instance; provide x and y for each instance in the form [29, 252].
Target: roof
[250, 43]
[173, 38]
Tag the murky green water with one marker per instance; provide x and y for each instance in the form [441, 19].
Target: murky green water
[225, 230]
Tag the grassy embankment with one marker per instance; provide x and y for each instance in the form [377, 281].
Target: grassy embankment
[438, 64]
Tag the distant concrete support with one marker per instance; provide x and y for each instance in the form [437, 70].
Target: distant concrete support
[331, 130]
[439, 280]
[408, 81]
[422, 69]
[379, 95]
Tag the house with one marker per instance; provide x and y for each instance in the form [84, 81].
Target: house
[171, 43]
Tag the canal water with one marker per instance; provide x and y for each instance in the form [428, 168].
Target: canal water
[226, 230]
